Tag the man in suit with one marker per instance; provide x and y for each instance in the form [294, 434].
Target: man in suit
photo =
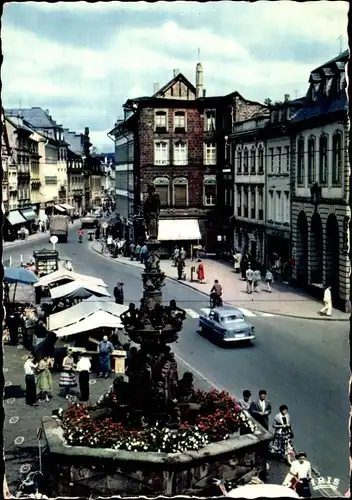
[261, 409]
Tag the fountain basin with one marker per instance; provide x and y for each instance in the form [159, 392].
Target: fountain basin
[80, 470]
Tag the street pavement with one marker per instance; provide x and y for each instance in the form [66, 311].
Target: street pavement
[301, 363]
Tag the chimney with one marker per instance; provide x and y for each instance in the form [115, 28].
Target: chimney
[176, 72]
[287, 97]
[199, 80]
[204, 93]
[156, 87]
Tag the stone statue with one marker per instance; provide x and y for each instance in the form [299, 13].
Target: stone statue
[151, 210]
[153, 262]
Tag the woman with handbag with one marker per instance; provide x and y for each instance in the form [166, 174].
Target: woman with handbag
[44, 380]
[283, 435]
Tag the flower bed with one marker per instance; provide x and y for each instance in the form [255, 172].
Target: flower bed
[218, 417]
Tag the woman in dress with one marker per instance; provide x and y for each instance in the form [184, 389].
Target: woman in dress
[67, 377]
[45, 381]
[200, 271]
[300, 475]
[282, 442]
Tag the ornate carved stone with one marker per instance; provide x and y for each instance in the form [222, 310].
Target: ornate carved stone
[151, 211]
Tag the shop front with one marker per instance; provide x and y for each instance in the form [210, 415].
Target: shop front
[30, 216]
[278, 254]
[178, 232]
[14, 220]
[250, 238]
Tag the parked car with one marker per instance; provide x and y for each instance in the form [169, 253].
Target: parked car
[225, 325]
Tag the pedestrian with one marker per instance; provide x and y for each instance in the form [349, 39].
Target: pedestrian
[83, 368]
[300, 475]
[31, 390]
[327, 309]
[67, 376]
[109, 243]
[13, 324]
[216, 294]
[283, 435]
[269, 280]
[200, 271]
[180, 268]
[132, 250]
[237, 261]
[249, 279]
[183, 254]
[246, 401]
[45, 381]
[105, 350]
[138, 252]
[118, 293]
[68, 265]
[144, 254]
[176, 255]
[261, 409]
[257, 277]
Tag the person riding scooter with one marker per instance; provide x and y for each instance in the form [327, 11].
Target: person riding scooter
[215, 295]
[80, 235]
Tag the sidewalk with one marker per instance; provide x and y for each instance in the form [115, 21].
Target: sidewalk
[283, 301]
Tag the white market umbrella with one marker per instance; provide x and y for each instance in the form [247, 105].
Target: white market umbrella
[78, 290]
[63, 274]
[100, 319]
[262, 490]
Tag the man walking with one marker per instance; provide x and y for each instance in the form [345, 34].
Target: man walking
[31, 389]
[144, 254]
[105, 350]
[261, 409]
[83, 368]
[269, 280]
[327, 309]
[249, 279]
[132, 250]
[118, 293]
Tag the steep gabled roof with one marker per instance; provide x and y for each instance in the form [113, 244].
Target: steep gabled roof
[37, 117]
[178, 78]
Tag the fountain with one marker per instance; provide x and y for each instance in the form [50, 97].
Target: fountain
[153, 403]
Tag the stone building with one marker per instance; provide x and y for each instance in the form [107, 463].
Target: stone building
[320, 180]
[5, 161]
[75, 179]
[278, 186]
[179, 139]
[248, 140]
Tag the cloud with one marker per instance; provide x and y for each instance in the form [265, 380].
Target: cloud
[262, 49]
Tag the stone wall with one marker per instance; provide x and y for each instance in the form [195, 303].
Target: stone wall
[81, 471]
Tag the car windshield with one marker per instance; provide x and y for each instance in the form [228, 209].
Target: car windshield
[231, 317]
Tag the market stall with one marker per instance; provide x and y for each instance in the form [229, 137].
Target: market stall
[46, 261]
[62, 275]
[78, 289]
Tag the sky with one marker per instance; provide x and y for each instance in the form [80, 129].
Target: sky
[82, 61]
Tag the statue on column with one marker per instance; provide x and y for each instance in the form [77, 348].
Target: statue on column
[151, 211]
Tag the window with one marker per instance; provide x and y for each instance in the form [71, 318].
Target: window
[209, 190]
[180, 153]
[287, 206]
[245, 202]
[161, 153]
[311, 160]
[160, 121]
[271, 160]
[253, 204]
[260, 204]
[287, 156]
[278, 206]
[210, 153]
[260, 160]
[180, 192]
[162, 187]
[278, 162]
[323, 159]
[336, 157]
[253, 161]
[210, 121]
[245, 161]
[180, 121]
[239, 161]
[239, 201]
[300, 161]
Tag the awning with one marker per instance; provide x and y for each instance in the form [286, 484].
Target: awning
[179, 230]
[66, 206]
[28, 213]
[14, 217]
[78, 290]
[64, 275]
[60, 209]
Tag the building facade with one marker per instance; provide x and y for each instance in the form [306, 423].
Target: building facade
[5, 161]
[320, 180]
[249, 149]
[74, 167]
[278, 187]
